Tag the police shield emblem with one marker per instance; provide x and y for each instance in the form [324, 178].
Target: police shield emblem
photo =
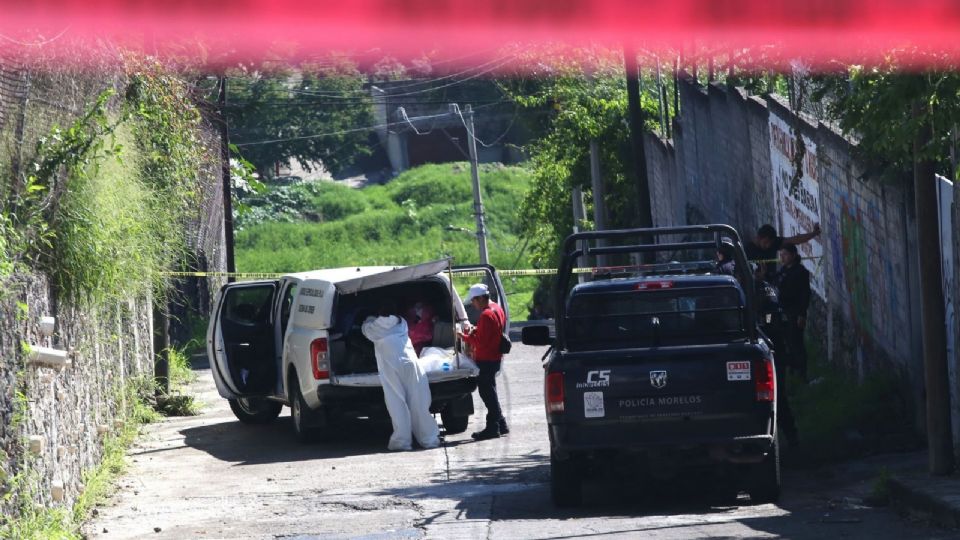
[658, 379]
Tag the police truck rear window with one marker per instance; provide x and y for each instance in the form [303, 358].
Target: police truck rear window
[648, 318]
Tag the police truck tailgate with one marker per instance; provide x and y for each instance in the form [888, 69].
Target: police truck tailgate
[672, 395]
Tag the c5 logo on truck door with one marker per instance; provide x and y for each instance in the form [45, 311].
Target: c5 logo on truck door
[658, 379]
[597, 378]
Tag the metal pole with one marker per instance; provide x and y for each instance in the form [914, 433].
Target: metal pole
[644, 214]
[579, 215]
[225, 170]
[475, 174]
[599, 203]
[17, 156]
[676, 86]
[161, 346]
[933, 314]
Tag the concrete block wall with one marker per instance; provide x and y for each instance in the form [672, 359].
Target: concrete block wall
[54, 420]
[720, 157]
[68, 412]
[717, 168]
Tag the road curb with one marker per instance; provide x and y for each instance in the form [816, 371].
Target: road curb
[936, 497]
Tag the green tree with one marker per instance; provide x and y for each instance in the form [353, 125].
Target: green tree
[309, 114]
[874, 105]
[587, 93]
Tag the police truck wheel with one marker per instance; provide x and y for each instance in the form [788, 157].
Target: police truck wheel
[765, 486]
[565, 482]
[255, 410]
[453, 424]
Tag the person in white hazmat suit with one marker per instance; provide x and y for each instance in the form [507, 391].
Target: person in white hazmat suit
[405, 387]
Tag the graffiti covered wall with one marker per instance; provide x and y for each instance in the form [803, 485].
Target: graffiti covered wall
[728, 162]
[796, 193]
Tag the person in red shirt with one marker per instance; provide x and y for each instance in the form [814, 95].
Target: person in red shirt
[485, 341]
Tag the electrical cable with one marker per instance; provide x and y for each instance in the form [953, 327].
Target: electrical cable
[502, 61]
[329, 134]
[495, 141]
[403, 113]
[367, 128]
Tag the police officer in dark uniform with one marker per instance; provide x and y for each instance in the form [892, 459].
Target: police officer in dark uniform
[793, 285]
[771, 321]
[772, 325]
[768, 243]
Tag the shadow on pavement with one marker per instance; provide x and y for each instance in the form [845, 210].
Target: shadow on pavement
[245, 444]
[816, 504]
[519, 488]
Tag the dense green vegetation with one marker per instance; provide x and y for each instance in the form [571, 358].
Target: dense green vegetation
[589, 96]
[875, 106]
[99, 203]
[102, 203]
[425, 213]
[290, 105]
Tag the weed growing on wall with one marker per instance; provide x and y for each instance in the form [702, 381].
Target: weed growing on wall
[101, 207]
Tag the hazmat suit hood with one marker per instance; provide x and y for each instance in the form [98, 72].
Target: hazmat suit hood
[379, 328]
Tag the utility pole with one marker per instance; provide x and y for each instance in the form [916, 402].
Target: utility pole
[225, 170]
[161, 346]
[17, 156]
[599, 202]
[475, 174]
[644, 214]
[933, 313]
[579, 215]
[676, 86]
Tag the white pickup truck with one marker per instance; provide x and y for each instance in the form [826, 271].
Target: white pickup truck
[296, 341]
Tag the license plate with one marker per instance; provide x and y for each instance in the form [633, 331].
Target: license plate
[593, 405]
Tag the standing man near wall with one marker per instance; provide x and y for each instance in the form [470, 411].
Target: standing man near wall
[793, 283]
[768, 243]
[485, 341]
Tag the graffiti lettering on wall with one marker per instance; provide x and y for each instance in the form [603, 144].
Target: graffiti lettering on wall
[786, 145]
[797, 210]
[868, 273]
[855, 269]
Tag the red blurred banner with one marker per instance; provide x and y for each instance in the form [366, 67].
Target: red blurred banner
[822, 32]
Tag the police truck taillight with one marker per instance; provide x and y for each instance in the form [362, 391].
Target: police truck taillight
[553, 388]
[318, 359]
[766, 382]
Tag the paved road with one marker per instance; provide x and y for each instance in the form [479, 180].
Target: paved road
[212, 477]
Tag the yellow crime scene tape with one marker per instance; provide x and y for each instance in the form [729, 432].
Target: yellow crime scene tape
[469, 273]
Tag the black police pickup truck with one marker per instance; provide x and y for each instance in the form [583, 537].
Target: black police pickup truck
[660, 365]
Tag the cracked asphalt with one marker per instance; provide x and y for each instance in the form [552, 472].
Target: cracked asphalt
[211, 477]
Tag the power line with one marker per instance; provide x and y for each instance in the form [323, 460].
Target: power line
[332, 133]
[237, 132]
[403, 113]
[502, 62]
[452, 75]
[454, 83]
[281, 104]
[499, 61]
[368, 128]
[516, 111]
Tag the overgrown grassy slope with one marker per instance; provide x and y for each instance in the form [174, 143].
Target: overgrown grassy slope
[425, 213]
